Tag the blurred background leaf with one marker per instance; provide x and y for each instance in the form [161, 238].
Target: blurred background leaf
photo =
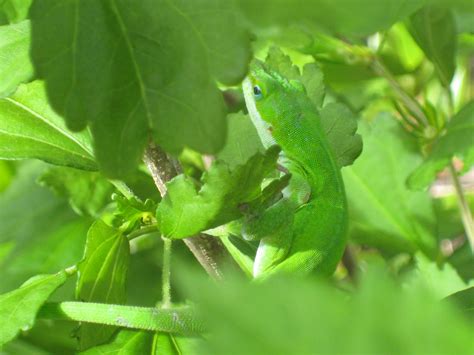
[384, 213]
[434, 30]
[456, 142]
[348, 17]
[15, 10]
[15, 68]
[291, 316]
[39, 233]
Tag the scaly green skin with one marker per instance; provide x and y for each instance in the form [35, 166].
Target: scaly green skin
[284, 115]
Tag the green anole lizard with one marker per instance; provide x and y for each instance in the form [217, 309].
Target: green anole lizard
[306, 230]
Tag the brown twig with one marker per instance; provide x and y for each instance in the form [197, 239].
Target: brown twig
[350, 263]
[209, 251]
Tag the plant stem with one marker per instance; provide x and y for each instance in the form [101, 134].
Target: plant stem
[409, 102]
[123, 188]
[166, 273]
[142, 231]
[172, 320]
[466, 214]
[209, 251]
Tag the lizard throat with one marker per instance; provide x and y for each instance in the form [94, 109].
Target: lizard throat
[263, 128]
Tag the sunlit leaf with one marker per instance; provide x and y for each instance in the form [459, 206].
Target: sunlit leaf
[15, 10]
[15, 65]
[29, 128]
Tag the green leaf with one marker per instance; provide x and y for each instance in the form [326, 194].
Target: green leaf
[39, 233]
[126, 342]
[30, 129]
[347, 17]
[379, 318]
[434, 30]
[456, 142]
[15, 10]
[143, 343]
[22, 347]
[102, 277]
[19, 307]
[15, 68]
[242, 140]
[441, 280]
[87, 192]
[172, 344]
[384, 212]
[6, 174]
[146, 68]
[132, 212]
[45, 252]
[186, 210]
[340, 126]
[464, 299]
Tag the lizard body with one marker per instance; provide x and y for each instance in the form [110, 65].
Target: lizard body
[284, 115]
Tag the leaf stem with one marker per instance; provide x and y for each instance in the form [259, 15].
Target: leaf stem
[209, 251]
[123, 188]
[142, 231]
[409, 102]
[166, 273]
[466, 214]
[180, 319]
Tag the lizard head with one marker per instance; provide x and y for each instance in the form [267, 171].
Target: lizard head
[267, 94]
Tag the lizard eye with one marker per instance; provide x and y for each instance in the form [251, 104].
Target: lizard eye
[257, 92]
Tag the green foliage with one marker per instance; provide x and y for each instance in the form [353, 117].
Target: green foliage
[15, 10]
[19, 307]
[131, 213]
[16, 67]
[441, 280]
[102, 277]
[434, 30]
[6, 174]
[37, 237]
[379, 318]
[465, 300]
[118, 75]
[133, 342]
[29, 128]
[150, 71]
[242, 140]
[88, 192]
[187, 210]
[347, 16]
[340, 126]
[126, 342]
[385, 213]
[456, 142]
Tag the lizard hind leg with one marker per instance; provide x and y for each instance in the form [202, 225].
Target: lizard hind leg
[275, 232]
